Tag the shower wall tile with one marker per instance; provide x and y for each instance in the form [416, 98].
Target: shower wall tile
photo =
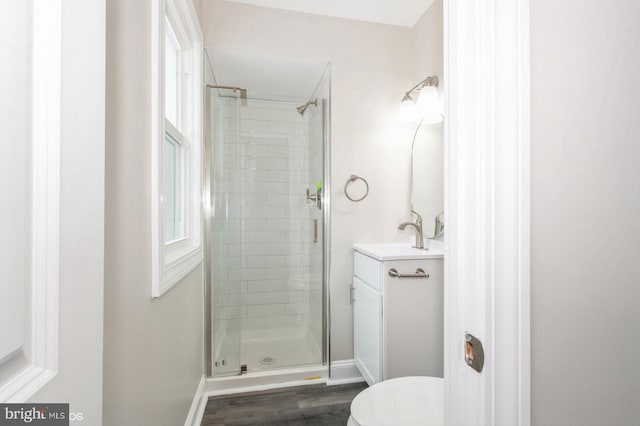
[265, 286]
[266, 261]
[286, 106]
[269, 140]
[229, 287]
[247, 274]
[285, 297]
[255, 126]
[228, 312]
[296, 309]
[254, 299]
[263, 244]
[271, 310]
[266, 114]
[286, 128]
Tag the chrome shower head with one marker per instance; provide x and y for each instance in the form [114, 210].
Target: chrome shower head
[303, 108]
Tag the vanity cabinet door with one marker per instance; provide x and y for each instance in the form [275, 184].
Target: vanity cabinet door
[413, 327]
[367, 331]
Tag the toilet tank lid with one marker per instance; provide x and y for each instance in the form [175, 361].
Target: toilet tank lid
[406, 400]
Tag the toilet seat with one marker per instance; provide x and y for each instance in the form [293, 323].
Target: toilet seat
[406, 401]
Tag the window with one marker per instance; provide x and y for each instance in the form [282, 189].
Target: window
[176, 144]
[173, 197]
[172, 72]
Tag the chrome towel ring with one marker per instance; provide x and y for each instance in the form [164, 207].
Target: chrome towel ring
[352, 179]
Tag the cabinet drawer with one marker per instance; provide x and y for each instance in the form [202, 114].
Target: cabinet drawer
[368, 270]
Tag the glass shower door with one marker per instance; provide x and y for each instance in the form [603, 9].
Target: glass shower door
[316, 219]
[267, 235]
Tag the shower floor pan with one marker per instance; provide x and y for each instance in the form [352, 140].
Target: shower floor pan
[273, 363]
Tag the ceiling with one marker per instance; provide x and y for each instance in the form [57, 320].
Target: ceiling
[404, 13]
[277, 78]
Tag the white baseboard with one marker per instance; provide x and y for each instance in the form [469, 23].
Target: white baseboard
[261, 388]
[344, 372]
[265, 380]
[199, 403]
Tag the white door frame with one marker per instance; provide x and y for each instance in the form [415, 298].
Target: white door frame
[487, 206]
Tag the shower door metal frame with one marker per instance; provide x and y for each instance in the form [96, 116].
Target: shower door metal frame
[326, 235]
[206, 197]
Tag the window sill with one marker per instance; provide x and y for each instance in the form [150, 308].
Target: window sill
[177, 269]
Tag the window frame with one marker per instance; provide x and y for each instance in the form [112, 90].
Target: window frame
[173, 260]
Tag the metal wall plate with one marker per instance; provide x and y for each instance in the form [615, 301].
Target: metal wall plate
[474, 352]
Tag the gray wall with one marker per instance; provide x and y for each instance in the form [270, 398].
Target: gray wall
[153, 353]
[585, 213]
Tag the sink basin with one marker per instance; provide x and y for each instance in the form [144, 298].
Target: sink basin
[396, 251]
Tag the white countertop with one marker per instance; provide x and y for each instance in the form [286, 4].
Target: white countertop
[397, 251]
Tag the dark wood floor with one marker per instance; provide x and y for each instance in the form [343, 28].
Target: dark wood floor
[316, 405]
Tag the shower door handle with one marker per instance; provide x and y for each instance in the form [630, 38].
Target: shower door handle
[315, 230]
[317, 198]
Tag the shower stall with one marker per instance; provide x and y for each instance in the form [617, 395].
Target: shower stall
[266, 229]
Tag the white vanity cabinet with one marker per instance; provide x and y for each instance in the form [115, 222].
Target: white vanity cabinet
[398, 321]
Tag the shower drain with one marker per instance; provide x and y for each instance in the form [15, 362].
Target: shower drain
[267, 360]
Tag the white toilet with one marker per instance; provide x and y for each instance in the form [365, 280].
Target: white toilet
[405, 401]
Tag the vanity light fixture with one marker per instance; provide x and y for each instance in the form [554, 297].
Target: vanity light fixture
[427, 107]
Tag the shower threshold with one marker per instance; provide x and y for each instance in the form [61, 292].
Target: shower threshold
[270, 379]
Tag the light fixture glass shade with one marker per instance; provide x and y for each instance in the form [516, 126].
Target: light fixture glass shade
[408, 111]
[428, 105]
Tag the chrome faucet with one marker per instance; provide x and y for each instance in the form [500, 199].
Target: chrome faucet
[418, 227]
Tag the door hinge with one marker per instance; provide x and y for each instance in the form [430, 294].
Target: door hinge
[352, 294]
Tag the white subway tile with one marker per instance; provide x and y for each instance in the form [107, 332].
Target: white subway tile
[232, 299]
[247, 274]
[266, 261]
[227, 312]
[285, 297]
[265, 286]
[278, 273]
[254, 175]
[254, 103]
[230, 287]
[264, 188]
[234, 249]
[278, 175]
[253, 150]
[256, 249]
[278, 200]
[229, 262]
[281, 151]
[297, 260]
[269, 140]
[285, 128]
[265, 310]
[266, 163]
[254, 126]
[220, 274]
[296, 309]
[289, 321]
[259, 114]
[254, 298]
[255, 200]
[267, 212]
[283, 106]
